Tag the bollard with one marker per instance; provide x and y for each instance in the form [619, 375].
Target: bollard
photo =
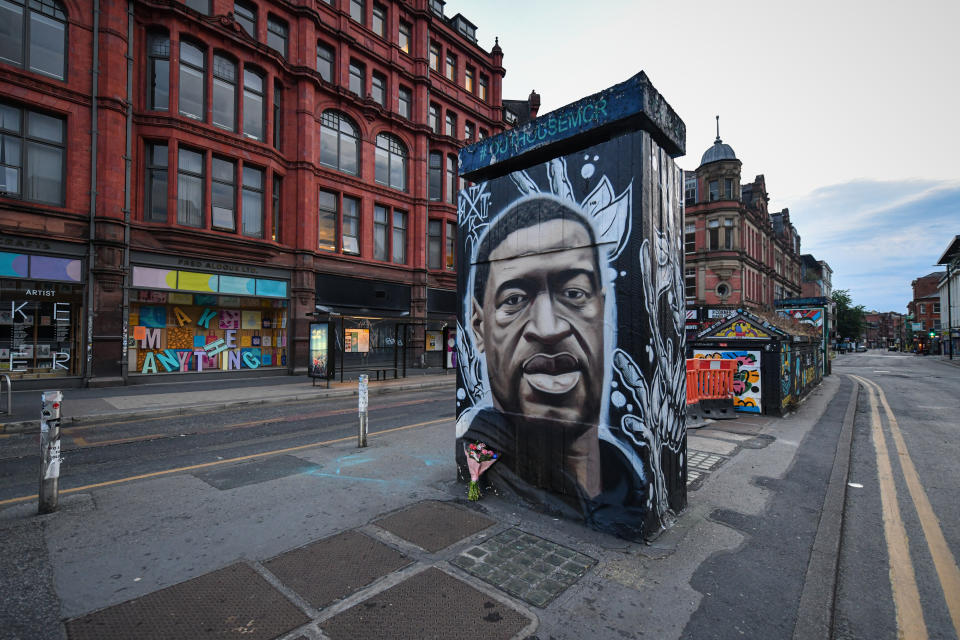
[50, 406]
[362, 393]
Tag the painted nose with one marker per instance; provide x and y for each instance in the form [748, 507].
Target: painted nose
[544, 325]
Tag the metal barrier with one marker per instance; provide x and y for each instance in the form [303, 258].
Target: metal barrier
[5, 378]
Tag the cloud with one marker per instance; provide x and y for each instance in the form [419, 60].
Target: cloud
[878, 236]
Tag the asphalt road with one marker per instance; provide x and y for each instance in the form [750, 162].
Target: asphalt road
[901, 538]
[112, 450]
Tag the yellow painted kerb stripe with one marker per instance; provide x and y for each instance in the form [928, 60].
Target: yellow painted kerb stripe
[214, 463]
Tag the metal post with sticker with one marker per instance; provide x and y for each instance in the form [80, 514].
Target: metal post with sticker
[50, 409]
[362, 405]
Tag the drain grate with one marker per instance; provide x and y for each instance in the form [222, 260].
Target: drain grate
[530, 568]
[702, 461]
[434, 525]
[234, 602]
[431, 604]
[327, 570]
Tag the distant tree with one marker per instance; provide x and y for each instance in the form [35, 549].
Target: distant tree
[849, 318]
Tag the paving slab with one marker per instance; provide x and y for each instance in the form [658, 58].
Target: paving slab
[433, 525]
[233, 602]
[328, 570]
[410, 611]
[525, 566]
[253, 472]
[723, 435]
[711, 445]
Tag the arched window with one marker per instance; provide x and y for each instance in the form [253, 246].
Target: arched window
[391, 162]
[339, 142]
[35, 36]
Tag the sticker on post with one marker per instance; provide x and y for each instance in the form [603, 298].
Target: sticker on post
[362, 392]
[53, 469]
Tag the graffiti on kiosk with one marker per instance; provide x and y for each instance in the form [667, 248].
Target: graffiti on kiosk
[747, 392]
[542, 374]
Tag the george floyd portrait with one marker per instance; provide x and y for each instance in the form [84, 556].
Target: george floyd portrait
[548, 343]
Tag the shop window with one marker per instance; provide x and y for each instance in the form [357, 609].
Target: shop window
[404, 102]
[253, 103]
[468, 79]
[32, 150]
[434, 244]
[451, 179]
[690, 238]
[189, 188]
[200, 6]
[451, 125]
[451, 67]
[34, 36]
[224, 92]
[277, 35]
[192, 85]
[252, 202]
[358, 77]
[358, 11]
[246, 16]
[339, 142]
[451, 245]
[351, 226]
[325, 61]
[155, 202]
[378, 88]
[436, 176]
[435, 56]
[223, 194]
[158, 71]
[403, 36]
[41, 334]
[327, 221]
[275, 208]
[433, 118]
[482, 83]
[379, 21]
[391, 162]
[380, 232]
[277, 114]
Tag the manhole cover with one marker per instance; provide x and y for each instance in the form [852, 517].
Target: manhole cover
[431, 604]
[328, 570]
[434, 525]
[530, 568]
[234, 602]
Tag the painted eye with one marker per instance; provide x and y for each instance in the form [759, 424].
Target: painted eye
[514, 300]
[574, 294]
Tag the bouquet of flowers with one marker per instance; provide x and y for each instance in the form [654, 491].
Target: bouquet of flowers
[479, 459]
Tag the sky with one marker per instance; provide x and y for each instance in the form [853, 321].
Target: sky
[850, 109]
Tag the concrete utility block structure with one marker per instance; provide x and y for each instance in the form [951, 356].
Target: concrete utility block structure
[570, 341]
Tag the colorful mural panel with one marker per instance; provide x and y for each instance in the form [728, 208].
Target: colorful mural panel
[747, 391]
[742, 329]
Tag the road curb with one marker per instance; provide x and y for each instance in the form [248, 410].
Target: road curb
[29, 426]
[815, 613]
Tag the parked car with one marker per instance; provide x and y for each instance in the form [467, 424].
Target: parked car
[861, 348]
[892, 347]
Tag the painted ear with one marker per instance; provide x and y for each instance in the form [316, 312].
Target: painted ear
[476, 323]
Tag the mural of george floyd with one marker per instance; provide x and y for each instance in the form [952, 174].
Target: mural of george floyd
[570, 338]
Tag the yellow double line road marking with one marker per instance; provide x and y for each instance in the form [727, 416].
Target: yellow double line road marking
[902, 576]
[215, 463]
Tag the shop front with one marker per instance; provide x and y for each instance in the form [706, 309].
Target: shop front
[41, 310]
[207, 317]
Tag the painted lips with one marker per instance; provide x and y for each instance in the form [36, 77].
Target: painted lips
[554, 374]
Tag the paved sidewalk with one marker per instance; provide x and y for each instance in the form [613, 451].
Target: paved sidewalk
[180, 398]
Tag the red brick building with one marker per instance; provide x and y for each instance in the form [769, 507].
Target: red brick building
[925, 309]
[883, 329]
[252, 162]
[738, 254]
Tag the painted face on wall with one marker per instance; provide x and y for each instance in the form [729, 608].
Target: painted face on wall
[540, 323]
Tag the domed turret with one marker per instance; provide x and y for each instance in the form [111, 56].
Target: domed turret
[719, 150]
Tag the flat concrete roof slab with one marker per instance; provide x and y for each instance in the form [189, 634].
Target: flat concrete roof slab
[410, 611]
[233, 602]
[433, 525]
[328, 570]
